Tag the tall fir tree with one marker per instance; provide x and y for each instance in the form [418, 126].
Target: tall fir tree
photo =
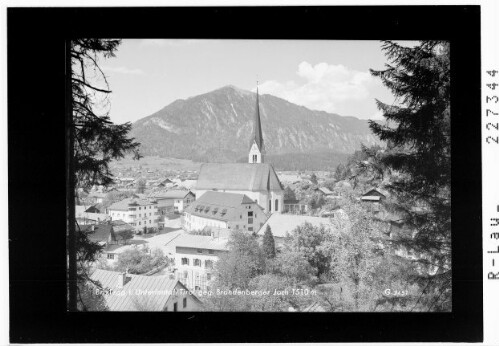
[417, 132]
[92, 142]
[268, 243]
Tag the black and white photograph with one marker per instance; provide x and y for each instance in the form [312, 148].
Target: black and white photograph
[235, 174]
[261, 176]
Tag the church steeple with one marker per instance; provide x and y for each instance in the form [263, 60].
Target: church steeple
[257, 148]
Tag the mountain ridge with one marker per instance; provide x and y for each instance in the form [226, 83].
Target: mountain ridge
[216, 127]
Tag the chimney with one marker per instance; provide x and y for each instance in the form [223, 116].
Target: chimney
[121, 280]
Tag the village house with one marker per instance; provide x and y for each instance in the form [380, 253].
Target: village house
[129, 292]
[102, 234]
[96, 197]
[294, 206]
[173, 201]
[195, 256]
[373, 195]
[139, 213]
[224, 210]
[87, 216]
[255, 179]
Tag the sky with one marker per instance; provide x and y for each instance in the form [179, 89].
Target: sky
[333, 76]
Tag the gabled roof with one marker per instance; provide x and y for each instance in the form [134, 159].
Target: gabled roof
[130, 202]
[201, 242]
[325, 190]
[102, 232]
[223, 206]
[238, 176]
[375, 192]
[151, 292]
[172, 194]
[280, 224]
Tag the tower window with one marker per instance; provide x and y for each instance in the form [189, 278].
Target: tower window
[276, 205]
[254, 158]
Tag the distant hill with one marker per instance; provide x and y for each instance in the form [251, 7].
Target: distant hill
[317, 161]
[216, 127]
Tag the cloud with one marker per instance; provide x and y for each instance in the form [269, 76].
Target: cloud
[123, 70]
[324, 87]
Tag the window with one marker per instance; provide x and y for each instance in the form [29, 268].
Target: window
[250, 214]
[211, 252]
[175, 307]
[208, 276]
[200, 250]
[250, 220]
[270, 205]
[139, 223]
[276, 205]
[250, 229]
[139, 208]
[185, 261]
[150, 214]
[110, 256]
[185, 273]
[197, 262]
[149, 221]
[184, 304]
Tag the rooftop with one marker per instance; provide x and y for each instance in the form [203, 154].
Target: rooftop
[200, 242]
[99, 233]
[238, 176]
[130, 202]
[281, 224]
[219, 205]
[171, 194]
[138, 292]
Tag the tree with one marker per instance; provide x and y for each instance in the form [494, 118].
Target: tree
[140, 261]
[268, 243]
[313, 179]
[93, 141]
[115, 196]
[140, 185]
[419, 150]
[307, 239]
[89, 299]
[289, 194]
[244, 261]
[124, 235]
[294, 265]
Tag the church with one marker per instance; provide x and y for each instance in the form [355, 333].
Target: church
[255, 179]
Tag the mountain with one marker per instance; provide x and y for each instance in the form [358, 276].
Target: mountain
[216, 127]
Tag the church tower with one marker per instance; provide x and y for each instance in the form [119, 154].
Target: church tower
[257, 150]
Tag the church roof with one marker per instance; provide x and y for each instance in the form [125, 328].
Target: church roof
[257, 136]
[238, 176]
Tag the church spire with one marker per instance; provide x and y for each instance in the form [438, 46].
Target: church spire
[256, 141]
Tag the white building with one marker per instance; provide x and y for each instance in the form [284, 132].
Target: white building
[139, 213]
[174, 201]
[195, 256]
[224, 210]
